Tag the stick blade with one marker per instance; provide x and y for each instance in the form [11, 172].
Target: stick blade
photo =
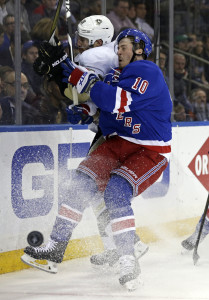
[195, 257]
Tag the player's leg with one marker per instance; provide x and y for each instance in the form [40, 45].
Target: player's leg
[105, 153]
[118, 195]
[109, 257]
[190, 242]
[130, 180]
[70, 213]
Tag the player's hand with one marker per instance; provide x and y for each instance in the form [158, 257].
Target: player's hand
[78, 114]
[50, 58]
[40, 67]
[81, 78]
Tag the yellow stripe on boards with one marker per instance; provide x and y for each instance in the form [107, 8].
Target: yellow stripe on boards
[10, 261]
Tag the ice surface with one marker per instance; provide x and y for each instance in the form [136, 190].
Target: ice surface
[166, 273]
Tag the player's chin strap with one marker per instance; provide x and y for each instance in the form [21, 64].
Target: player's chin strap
[133, 57]
[134, 53]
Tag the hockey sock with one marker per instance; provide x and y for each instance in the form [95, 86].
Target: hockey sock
[103, 221]
[118, 195]
[70, 212]
[104, 224]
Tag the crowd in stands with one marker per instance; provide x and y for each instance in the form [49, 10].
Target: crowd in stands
[42, 102]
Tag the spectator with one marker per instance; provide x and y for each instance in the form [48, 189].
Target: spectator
[200, 109]
[7, 55]
[1, 112]
[180, 87]
[119, 16]
[204, 10]
[197, 67]
[179, 113]
[205, 55]
[193, 41]
[182, 42]
[132, 13]
[94, 8]
[3, 72]
[52, 106]
[7, 115]
[41, 31]
[3, 10]
[9, 28]
[47, 10]
[75, 8]
[31, 5]
[0, 86]
[29, 55]
[30, 115]
[162, 65]
[141, 11]
[1, 35]
[10, 6]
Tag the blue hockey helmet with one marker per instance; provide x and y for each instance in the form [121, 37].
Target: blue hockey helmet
[138, 36]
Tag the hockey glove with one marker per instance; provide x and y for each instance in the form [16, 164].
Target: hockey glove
[49, 59]
[78, 114]
[80, 77]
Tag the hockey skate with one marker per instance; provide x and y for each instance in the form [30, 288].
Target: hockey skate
[109, 259]
[106, 260]
[52, 253]
[129, 272]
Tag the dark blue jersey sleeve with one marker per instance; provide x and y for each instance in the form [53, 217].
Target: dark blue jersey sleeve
[139, 87]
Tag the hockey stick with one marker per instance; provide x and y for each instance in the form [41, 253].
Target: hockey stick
[54, 24]
[195, 254]
[68, 16]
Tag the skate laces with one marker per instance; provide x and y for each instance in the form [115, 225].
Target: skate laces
[127, 264]
[51, 245]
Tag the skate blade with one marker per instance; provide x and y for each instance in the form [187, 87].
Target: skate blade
[139, 253]
[106, 268]
[50, 267]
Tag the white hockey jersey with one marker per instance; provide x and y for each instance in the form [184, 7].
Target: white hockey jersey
[99, 59]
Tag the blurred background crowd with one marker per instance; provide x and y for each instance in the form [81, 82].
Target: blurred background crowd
[41, 100]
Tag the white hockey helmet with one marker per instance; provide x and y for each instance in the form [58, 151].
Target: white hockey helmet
[96, 27]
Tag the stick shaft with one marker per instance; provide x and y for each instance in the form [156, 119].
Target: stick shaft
[55, 21]
[68, 16]
[202, 223]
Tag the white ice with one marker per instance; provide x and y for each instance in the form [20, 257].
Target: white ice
[166, 273]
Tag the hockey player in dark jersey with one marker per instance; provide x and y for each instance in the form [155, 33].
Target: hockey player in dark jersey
[135, 117]
[92, 32]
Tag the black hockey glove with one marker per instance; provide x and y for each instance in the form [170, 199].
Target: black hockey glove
[50, 57]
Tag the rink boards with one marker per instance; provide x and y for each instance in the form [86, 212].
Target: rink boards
[38, 162]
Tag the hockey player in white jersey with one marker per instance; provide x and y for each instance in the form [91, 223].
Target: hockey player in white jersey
[94, 32]
[97, 53]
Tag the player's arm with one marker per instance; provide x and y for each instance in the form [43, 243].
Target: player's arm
[131, 92]
[49, 63]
